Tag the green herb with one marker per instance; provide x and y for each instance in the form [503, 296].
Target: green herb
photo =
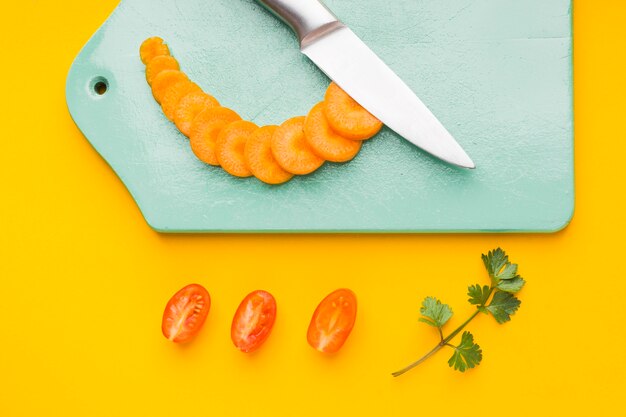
[497, 299]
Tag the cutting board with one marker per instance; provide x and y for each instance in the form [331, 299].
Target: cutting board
[497, 73]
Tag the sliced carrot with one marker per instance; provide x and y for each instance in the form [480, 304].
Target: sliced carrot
[173, 95]
[230, 145]
[291, 150]
[347, 117]
[324, 141]
[164, 80]
[151, 48]
[259, 157]
[158, 64]
[189, 107]
[205, 130]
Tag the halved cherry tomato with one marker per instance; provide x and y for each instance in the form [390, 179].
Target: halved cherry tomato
[253, 321]
[185, 313]
[332, 321]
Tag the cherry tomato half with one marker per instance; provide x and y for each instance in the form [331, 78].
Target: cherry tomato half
[185, 313]
[332, 321]
[253, 321]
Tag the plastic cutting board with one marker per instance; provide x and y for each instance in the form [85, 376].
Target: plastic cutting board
[497, 73]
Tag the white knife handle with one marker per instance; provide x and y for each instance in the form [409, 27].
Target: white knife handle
[306, 17]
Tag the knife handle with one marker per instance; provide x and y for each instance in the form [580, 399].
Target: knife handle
[307, 18]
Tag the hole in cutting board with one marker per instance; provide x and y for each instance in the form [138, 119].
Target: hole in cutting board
[99, 86]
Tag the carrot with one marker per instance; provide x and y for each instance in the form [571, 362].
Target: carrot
[206, 128]
[158, 64]
[259, 157]
[230, 145]
[324, 141]
[347, 117]
[164, 80]
[173, 94]
[291, 150]
[151, 48]
[189, 107]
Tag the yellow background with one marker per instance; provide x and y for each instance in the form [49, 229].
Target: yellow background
[83, 280]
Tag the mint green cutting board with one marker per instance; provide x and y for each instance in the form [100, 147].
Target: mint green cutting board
[497, 73]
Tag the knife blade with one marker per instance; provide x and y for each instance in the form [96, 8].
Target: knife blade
[350, 63]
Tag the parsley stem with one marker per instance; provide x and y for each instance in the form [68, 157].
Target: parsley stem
[422, 359]
[460, 328]
[436, 349]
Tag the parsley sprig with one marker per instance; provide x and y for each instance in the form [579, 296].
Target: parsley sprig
[497, 299]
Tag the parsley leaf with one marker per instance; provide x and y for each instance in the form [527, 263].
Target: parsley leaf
[494, 261]
[503, 306]
[435, 313]
[466, 355]
[511, 285]
[478, 295]
[509, 271]
[498, 266]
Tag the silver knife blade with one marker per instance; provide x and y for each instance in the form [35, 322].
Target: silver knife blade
[348, 61]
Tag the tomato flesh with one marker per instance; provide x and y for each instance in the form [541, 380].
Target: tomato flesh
[185, 313]
[253, 321]
[332, 321]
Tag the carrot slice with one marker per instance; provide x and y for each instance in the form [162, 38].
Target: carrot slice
[189, 107]
[158, 64]
[259, 157]
[324, 141]
[205, 130]
[347, 117]
[164, 80]
[230, 145]
[151, 48]
[291, 150]
[173, 95]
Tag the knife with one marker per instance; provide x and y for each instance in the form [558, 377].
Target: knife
[349, 62]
